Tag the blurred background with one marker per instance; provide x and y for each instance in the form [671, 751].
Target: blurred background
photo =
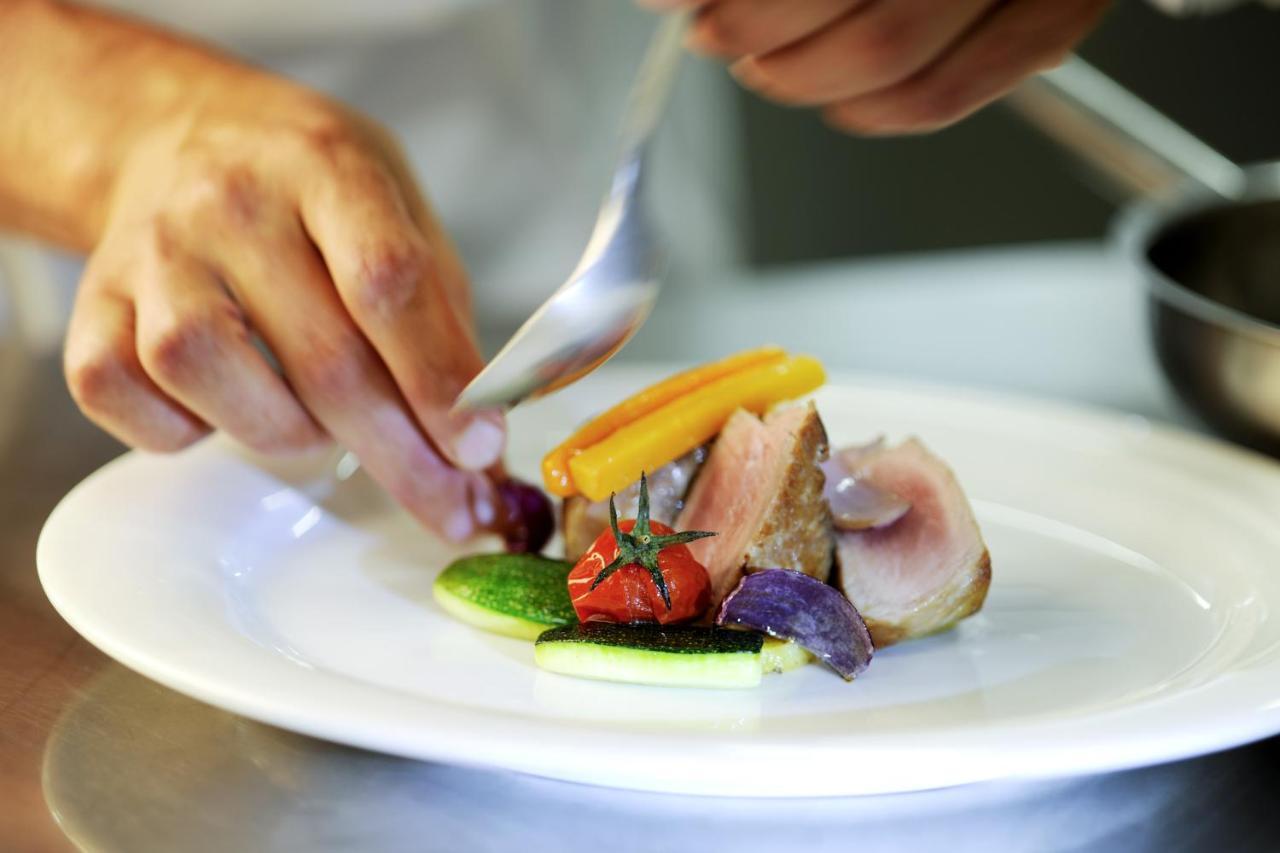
[993, 179]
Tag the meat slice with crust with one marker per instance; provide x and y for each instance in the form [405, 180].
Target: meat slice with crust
[760, 490]
[929, 569]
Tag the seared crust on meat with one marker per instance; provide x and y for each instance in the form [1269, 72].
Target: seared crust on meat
[761, 491]
[960, 600]
[926, 571]
[581, 523]
[796, 531]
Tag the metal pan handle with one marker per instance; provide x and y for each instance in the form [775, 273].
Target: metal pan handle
[1140, 150]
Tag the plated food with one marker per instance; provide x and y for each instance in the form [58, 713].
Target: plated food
[1119, 630]
[712, 536]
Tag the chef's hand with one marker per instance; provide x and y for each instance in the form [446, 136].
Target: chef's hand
[243, 206]
[282, 216]
[887, 66]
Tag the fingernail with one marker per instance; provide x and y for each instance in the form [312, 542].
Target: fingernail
[479, 444]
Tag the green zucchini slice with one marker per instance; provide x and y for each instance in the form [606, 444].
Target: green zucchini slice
[517, 595]
[664, 655]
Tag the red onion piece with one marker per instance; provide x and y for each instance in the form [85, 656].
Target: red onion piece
[861, 506]
[528, 519]
[793, 606]
[855, 503]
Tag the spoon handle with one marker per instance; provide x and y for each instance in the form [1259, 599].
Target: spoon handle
[1142, 151]
[652, 85]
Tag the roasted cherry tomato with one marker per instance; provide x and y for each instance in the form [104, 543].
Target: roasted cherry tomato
[640, 571]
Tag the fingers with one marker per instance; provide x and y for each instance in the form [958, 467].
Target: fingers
[193, 342]
[399, 289]
[108, 381]
[369, 322]
[887, 66]
[1016, 40]
[452, 273]
[346, 387]
[734, 28]
[879, 45]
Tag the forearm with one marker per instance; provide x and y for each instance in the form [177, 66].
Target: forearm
[79, 88]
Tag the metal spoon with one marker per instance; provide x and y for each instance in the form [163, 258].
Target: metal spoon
[615, 284]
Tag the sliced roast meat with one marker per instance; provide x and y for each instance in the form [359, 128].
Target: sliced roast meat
[929, 569]
[583, 520]
[761, 492]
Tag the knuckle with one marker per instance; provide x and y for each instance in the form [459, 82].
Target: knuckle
[389, 277]
[330, 136]
[181, 346]
[229, 194]
[96, 379]
[327, 141]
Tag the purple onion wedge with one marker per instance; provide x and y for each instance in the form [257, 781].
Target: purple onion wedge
[793, 606]
[856, 504]
[527, 519]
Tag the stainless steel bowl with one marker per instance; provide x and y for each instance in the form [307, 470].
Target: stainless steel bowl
[1204, 234]
[1212, 268]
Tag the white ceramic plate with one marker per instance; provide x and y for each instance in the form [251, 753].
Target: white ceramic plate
[1136, 574]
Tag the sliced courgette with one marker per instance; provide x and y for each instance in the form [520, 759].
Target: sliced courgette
[666, 655]
[518, 595]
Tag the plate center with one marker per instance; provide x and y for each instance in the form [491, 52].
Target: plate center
[1074, 624]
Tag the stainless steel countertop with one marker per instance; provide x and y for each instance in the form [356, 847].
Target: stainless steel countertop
[95, 757]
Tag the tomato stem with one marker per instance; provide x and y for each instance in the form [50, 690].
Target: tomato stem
[641, 547]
